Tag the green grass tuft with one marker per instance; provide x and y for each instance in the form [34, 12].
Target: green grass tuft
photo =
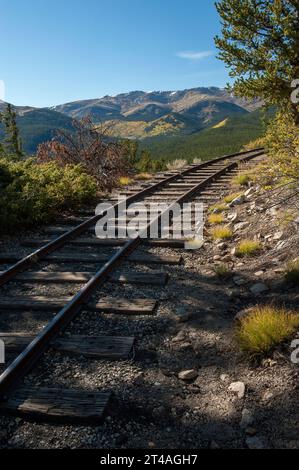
[219, 208]
[242, 179]
[222, 270]
[248, 248]
[264, 328]
[221, 233]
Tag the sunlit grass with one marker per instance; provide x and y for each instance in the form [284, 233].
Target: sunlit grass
[242, 179]
[125, 181]
[221, 233]
[215, 219]
[231, 197]
[221, 207]
[264, 328]
[248, 248]
[144, 176]
[292, 271]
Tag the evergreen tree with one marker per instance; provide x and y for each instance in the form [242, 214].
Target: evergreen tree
[260, 45]
[12, 142]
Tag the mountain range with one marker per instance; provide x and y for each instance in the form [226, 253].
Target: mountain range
[155, 118]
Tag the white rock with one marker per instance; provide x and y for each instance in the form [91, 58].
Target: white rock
[297, 221]
[259, 288]
[238, 388]
[233, 217]
[278, 236]
[238, 201]
[188, 374]
[249, 192]
[240, 226]
[239, 281]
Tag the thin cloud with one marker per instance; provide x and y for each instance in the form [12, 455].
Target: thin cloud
[193, 55]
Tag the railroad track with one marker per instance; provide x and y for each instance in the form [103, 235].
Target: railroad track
[197, 183]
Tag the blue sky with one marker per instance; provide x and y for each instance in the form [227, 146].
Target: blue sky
[55, 51]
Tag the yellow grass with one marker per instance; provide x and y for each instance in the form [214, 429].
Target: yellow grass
[248, 248]
[264, 328]
[144, 176]
[221, 233]
[231, 197]
[242, 179]
[125, 181]
[215, 219]
[219, 207]
[292, 271]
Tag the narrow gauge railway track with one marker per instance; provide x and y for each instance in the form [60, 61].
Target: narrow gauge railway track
[194, 183]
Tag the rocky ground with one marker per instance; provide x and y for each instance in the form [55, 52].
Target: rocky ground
[186, 384]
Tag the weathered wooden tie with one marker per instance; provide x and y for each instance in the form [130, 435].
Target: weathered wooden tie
[58, 404]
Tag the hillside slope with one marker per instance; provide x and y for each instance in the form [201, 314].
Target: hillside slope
[227, 136]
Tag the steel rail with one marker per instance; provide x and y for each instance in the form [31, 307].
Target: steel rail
[57, 243]
[27, 359]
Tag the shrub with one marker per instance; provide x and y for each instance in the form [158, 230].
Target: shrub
[231, 197]
[37, 193]
[221, 233]
[292, 271]
[215, 219]
[264, 328]
[222, 270]
[242, 179]
[248, 248]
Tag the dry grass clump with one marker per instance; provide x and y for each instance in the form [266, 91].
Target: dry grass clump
[292, 271]
[242, 179]
[231, 197]
[248, 248]
[125, 181]
[222, 270]
[264, 328]
[219, 208]
[215, 219]
[221, 233]
[144, 176]
[176, 164]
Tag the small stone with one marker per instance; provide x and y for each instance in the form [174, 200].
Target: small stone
[238, 388]
[251, 431]
[222, 246]
[297, 221]
[240, 226]
[268, 396]
[182, 314]
[259, 288]
[217, 258]
[255, 443]
[224, 377]
[259, 273]
[247, 418]
[238, 201]
[249, 192]
[239, 281]
[233, 217]
[191, 374]
[278, 236]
